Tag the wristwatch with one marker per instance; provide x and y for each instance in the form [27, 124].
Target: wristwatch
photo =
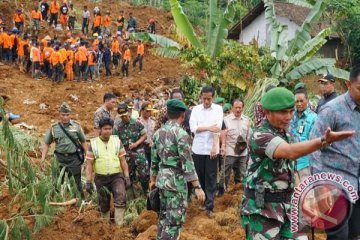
[197, 187]
[324, 143]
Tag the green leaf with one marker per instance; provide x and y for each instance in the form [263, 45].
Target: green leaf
[169, 52]
[183, 24]
[336, 72]
[158, 39]
[278, 44]
[309, 67]
[303, 34]
[217, 35]
[4, 230]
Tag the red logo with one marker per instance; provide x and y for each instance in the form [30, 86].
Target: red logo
[324, 206]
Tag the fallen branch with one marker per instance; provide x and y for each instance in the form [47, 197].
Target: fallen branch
[67, 203]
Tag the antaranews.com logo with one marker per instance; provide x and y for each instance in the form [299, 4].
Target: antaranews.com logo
[321, 201]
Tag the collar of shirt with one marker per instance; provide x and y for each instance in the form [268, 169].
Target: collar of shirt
[303, 114]
[281, 132]
[349, 100]
[104, 108]
[331, 95]
[233, 117]
[203, 108]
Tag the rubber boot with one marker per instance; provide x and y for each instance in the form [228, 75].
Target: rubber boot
[106, 216]
[119, 216]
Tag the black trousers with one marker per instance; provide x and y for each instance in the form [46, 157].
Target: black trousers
[206, 171]
[125, 68]
[350, 229]
[138, 58]
[53, 19]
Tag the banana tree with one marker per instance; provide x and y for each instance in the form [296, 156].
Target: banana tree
[296, 58]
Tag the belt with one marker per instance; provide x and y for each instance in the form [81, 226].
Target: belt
[65, 154]
[276, 197]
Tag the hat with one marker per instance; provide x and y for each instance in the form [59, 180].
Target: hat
[327, 78]
[299, 85]
[47, 38]
[176, 105]
[219, 100]
[147, 106]
[122, 109]
[227, 107]
[64, 108]
[277, 99]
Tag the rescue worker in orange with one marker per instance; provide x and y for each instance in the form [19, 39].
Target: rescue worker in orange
[64, 9]
[82, 59]
[126, 62]
[21, 53]
[56, 64]
[90, 64]
[115, 50]
[47, 52]
[35, 58]
[69, 64]
[54, 11]
[140, 55]
[120, 22]
[19, 20]
[107, 23]
[97, 23]
[36, 18]
[6, 46]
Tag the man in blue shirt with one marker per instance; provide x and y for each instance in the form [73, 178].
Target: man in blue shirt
[300, 126]
[342, 158]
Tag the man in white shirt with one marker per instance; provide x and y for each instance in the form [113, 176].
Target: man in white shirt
[236, 124]
[205, 122]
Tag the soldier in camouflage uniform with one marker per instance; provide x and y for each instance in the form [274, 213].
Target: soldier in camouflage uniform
[132, 134]
[104, 111]
[269, 181]
[171, 169]
[65, 149]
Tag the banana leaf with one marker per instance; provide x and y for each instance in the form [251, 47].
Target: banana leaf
[278, 44]
[217, 36]
[336, 72]
[303, 34]
[183, 24]
[4, 230]
[169, 52]
[311, 66]
[212, 23]
[158, 39]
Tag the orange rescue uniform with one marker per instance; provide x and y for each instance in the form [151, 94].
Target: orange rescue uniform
[91, 60]
[69, 65]
[107, 21]
[140, 49]
[7, 43]
[35, 54]
[97, 21]
[82, 54]
[19, 18]
[55, 58]
[54, 7]
[63, 54]
[36, 15]
[127, 55]
[115, 46]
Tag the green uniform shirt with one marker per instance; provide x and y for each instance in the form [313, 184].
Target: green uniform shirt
[171, 159]
[128, 132]
[62, 143]
[263, 169]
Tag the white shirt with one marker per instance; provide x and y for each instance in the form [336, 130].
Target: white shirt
[235, 127]
[205, 117]
[86, 14]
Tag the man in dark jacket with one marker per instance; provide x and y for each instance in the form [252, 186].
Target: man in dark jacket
[327, 89]
[107, 59]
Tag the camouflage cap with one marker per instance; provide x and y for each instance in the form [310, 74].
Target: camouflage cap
[277, 99]
[219, 100]
[64, 108]
[299, 85]
[227, 107]
[122, 109]
[176, 105]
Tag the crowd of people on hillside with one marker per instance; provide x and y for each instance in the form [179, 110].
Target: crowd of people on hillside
[76, 56]
[193, 151]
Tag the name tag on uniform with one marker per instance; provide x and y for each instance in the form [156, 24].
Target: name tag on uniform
[301, 129]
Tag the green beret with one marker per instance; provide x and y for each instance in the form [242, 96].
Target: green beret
[176, 105]
[219, 100]
[65, 108]
[299, 85]
[277, 99]
[227, 107]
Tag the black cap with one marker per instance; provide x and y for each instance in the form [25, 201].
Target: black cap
[122, 109]
[327, 78]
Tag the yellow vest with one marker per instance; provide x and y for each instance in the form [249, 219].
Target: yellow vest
[106, 156]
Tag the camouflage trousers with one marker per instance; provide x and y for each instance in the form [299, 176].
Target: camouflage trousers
[258, 227]
[138, 168]
[172, 214]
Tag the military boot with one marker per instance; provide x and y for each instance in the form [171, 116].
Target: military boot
[119, 216]
[106, 216]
